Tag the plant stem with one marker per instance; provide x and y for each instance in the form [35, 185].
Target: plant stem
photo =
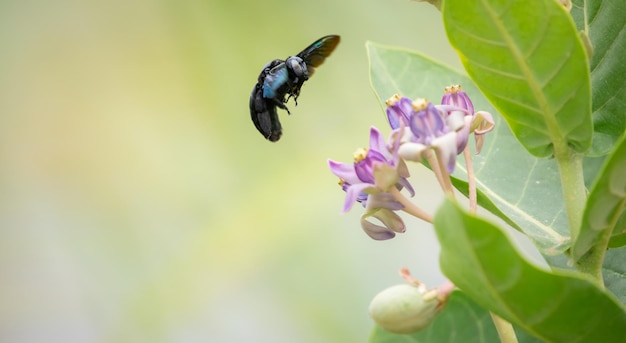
[441, 172]
[504, 328]
[410, 207]
[573, 186]
[591, 262]
[575, 197]
[434, 166]
[471, 181]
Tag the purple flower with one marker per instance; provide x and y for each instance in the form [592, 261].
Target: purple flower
[398, 111]
[368, 181]
[454, 95]
[431, 127]
[479, 122]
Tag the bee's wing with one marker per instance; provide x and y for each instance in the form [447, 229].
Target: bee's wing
[315, 54]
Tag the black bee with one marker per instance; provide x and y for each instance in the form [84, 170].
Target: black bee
[284, 78]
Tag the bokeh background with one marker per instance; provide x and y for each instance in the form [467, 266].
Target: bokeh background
[138, 203]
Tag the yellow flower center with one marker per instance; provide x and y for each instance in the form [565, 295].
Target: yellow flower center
[360, 154]
[452, 89]
[419, 104]
[392, 101]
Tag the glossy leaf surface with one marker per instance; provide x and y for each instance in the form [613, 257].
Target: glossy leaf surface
[605, 204]
[528, 60]
[479, 259]
[606, 24]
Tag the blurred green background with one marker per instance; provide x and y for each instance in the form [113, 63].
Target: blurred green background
[138, 203]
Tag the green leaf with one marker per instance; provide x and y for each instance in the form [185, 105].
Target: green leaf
[528, 60]
[614, 272]
[479, 259]
[525, 190]
[605, 204]
[606, 26]
[484, 201]
[618, 240]
[461, 320]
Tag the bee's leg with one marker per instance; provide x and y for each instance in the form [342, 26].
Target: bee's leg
[293, 94]
[281, 104]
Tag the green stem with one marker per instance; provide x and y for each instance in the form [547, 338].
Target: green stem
[504, 328]
[591, 262]
[575, 197]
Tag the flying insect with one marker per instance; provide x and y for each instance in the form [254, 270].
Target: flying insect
[281, 80]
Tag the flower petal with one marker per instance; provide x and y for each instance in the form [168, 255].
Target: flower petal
[391, 220]
[462, 136]
[456, 120]
[405, 183]
[454, 95]
[385, 176]
[402, 169]
[377, 232]
[412, 151]
[377, 141]
[482, 123]
[427, 124]
[352, 194]
[479, 140]
[445, 146]
[382, 200]
[344, 171]
[399, 110]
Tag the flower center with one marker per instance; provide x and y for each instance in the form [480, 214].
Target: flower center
[419, 104]
[392, 101]
[360, 154]
[452, 89]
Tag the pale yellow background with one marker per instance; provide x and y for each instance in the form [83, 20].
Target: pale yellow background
[138, 203]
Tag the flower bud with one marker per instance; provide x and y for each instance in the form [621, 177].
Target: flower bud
[405, 308]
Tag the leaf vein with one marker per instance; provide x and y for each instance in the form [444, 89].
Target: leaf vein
[525, 186]
[495, 71]
[555, 237]
[473, 36]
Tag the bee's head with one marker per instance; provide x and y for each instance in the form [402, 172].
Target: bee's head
[297, 67]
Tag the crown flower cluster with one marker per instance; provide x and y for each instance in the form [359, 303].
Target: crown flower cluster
[420, 130]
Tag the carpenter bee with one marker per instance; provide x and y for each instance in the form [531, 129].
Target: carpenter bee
[281, 80]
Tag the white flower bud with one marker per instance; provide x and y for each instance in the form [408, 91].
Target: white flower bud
[404, 308]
